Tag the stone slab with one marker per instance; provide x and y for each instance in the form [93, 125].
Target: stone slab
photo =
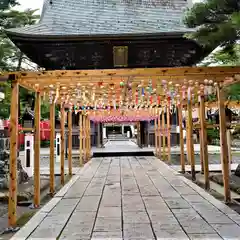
[136, 231]
[30, 226]
[106, 194]
[135, 217]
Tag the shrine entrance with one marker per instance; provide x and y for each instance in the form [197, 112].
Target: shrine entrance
[145, 97]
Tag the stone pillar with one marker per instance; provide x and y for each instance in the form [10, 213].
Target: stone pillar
[58, 147]
[28, 163]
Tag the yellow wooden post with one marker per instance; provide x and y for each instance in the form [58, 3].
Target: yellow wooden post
[224, 147]
[163, 136]
[62, 142]
[156, 136]
[90, 140]
[187, 140]
[180, 120]
[98, 135]
[84, 138]
[190, 135]
[37, 141]
[159, 135]
[89, 136]
[168, 132]
[87, 139]
[52, 139]
[70, 143]
[203, 143]
[80, 139]
[12, 199]
[200, 135]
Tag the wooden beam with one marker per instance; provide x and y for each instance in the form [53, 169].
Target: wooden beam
[224, 147]
[37, 141]
[52, 155]
[12, 199]
[203, 143]
[182, 158]
[62, 155]
[131, 72]
[70, 143]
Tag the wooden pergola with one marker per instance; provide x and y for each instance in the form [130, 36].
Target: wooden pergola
[94, 88]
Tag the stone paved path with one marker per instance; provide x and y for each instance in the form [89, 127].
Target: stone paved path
[132, 198]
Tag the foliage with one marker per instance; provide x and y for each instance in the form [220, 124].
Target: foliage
[212, 135]
[223, 58]
[217, 23]
[5, 4]
[11, 58]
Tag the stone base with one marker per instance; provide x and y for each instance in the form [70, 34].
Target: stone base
[4, 171]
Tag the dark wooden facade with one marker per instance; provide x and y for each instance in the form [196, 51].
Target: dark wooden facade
[141, 51]
[107, 34]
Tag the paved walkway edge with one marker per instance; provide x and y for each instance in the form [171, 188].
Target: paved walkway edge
[36, 220]
[233, 215]
[215, 202]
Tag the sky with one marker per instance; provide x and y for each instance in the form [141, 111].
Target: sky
[33, 4]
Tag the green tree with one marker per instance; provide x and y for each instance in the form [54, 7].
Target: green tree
[223, 58]
[6, 4]
[217, 23]
[11, 58]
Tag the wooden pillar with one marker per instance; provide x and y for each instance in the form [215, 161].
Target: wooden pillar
[169, 132]
[224, 147]
[163, 136]
[203, 142]
[37, 141]
[182, 158]
[87, 139]
[156, 137]
[159, 137]
[84, 138]
[229, 143]
[12, 199]
[98, 135]
[90, 140]
[190, 140]
[80, 139]
[200, 135]
[52, 155]
[62, 142]
[70, 143]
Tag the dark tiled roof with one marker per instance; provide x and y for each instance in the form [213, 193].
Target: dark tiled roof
[111, 17]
